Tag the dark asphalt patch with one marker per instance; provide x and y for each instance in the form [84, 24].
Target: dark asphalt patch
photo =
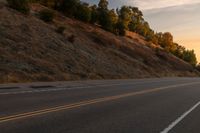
[42, 87]
[6, 88]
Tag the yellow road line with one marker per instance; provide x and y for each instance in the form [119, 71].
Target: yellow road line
[84, 103]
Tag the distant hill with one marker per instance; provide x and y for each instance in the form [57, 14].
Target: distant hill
[32, 50]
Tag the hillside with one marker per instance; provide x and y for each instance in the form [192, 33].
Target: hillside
[32, 50]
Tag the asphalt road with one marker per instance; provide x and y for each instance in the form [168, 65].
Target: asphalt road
[167, 105]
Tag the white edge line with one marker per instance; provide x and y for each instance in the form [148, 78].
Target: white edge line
[173, 124]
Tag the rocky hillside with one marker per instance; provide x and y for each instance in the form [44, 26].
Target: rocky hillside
[32, 50]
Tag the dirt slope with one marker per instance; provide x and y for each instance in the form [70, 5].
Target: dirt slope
[31, 50]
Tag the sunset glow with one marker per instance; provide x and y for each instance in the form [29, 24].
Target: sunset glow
[180, 17]
[182, 21]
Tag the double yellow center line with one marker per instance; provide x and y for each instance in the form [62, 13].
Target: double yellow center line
[84, 103]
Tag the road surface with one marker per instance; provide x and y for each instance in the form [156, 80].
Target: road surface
[166, 105]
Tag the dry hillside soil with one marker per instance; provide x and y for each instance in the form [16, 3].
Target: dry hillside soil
[32, 50]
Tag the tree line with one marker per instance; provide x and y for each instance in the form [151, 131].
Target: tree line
[116, 21]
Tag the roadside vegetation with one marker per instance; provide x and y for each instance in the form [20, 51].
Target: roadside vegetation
[126, 18]
[20, 5]
[46, 15]
[65, 48]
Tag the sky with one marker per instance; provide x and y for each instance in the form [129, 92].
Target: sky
[180, 17]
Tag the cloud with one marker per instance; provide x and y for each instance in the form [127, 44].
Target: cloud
[182, 21]
[146, 4]
[174, 18]
[152, 4]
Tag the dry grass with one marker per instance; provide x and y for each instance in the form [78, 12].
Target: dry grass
[32, 50]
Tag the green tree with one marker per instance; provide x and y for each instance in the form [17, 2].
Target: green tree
[103, 5]
[124, 15]
[151, 36]
[137, 23]
[120, 28]
[124, 18]
[94, 14]
[83, 13]
[112, 19]
[106, 18]
[166, 41]
[68, 7]
[113, 16]
[178, 52]
[190, 57]
[137, 14]
[103, 19]
[143, 28]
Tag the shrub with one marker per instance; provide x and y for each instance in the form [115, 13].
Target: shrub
[71, 38]
[68, 7]
[46, 15]
[60, 29]
[120, 29]
[20, 5]
[198, 67]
